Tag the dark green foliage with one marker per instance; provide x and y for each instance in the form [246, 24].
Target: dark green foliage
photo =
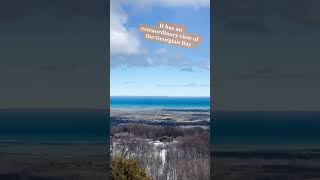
[126, 169]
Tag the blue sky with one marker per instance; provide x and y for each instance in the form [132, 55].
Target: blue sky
[146, 68]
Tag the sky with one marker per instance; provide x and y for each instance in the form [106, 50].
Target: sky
[265, 53]
[140, 67]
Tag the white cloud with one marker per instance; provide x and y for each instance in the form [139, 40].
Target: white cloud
[122, 40]
[161, 57]
[125, 42]
[126, 49]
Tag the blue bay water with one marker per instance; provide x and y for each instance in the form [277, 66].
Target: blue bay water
[160, 102]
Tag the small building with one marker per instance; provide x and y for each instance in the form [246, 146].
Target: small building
[166, 139]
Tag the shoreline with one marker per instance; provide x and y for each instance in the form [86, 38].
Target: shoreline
[162, 117]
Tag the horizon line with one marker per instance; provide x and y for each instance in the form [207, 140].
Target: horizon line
[154, 96]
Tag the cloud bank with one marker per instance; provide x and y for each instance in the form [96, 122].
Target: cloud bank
[122, 40]
[126, 48]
